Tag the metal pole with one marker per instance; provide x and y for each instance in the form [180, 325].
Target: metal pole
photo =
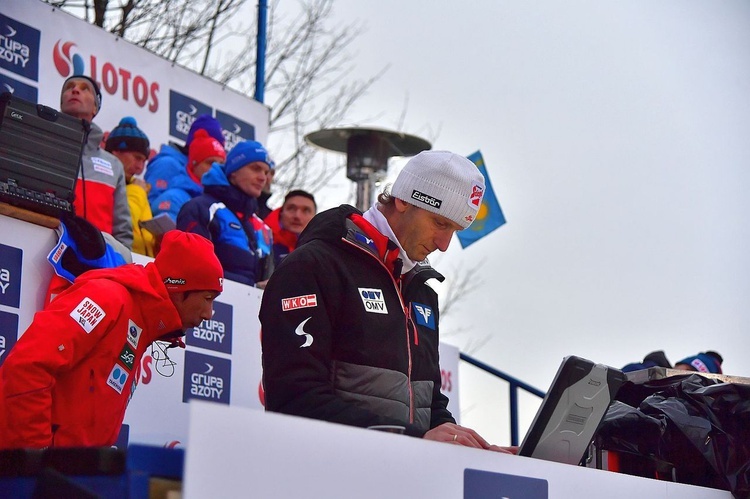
[513, 414]
[514, 383]
[364, 193]
[260, 57]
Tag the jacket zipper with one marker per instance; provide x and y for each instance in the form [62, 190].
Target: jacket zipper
[405, 309]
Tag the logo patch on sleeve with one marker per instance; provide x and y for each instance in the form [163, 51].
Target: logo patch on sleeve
[424, 316]
[88, 314]
[127, 356]
[373, 300]
[117, 378]
[134, 333]
[59, 252]
[304, 301]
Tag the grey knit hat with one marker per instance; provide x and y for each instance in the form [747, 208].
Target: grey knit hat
[444, 183]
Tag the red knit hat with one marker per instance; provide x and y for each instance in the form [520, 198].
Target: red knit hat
[204, 146]
[187, 262]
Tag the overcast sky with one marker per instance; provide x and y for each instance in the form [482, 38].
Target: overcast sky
[617, 138]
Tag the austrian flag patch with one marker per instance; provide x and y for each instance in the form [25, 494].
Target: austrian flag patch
[304, 301]
[88, 314]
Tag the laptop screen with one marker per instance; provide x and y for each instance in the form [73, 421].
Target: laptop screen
[571, 411]
[40, 154]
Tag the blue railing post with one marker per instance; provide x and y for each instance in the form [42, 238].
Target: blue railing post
[260, 57]
[513, 414]
[515, 384]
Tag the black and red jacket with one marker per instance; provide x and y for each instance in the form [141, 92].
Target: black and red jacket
[346, 338]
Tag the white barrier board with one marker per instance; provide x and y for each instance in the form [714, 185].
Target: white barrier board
[237, 452]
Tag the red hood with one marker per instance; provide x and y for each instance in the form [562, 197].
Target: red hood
[146, 287]
[280, 234]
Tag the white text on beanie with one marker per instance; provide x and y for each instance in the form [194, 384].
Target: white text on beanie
[444, 183]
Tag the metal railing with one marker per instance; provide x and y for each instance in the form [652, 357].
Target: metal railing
[515, 384]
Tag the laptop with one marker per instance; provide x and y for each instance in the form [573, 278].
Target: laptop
[40, 154]
[571, 411]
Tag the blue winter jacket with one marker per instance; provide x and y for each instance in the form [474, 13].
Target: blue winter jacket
[171, 186]
[226, 216]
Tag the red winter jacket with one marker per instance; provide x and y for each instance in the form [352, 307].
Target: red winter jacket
[68, 379]
[284, 241]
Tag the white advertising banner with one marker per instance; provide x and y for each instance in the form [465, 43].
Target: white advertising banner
[449, 357]
[40, 46]
[221, 363]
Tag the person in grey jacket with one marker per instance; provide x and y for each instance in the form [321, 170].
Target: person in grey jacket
[100, 191]
[350, 325]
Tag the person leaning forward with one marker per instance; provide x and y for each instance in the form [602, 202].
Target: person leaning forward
[350, 326]
[70, 376]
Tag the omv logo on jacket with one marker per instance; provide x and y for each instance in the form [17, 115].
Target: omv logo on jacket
[183, 111]
[214, 333]
[19, 48]
[234, 129]
[10, 275]
[18, 89]
[112, 79]
[206, 378]
[8, 333]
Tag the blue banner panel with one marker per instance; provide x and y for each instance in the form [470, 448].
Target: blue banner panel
[215, 333]
[206, 378]
[183, 111]
[19, 48]
[480, 484]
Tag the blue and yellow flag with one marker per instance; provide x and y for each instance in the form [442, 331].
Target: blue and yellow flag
[490, 216]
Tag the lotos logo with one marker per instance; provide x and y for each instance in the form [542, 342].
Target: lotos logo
[64, 60]
[475, 199]
[113, 79]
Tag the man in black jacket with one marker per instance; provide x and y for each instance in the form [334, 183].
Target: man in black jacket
[350, 327]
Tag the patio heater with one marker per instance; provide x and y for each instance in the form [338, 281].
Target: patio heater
[367, 152]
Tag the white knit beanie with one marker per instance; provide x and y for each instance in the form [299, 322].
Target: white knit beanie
[444, 183]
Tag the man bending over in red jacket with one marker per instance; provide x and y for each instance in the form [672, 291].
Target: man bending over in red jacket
[70, 376]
